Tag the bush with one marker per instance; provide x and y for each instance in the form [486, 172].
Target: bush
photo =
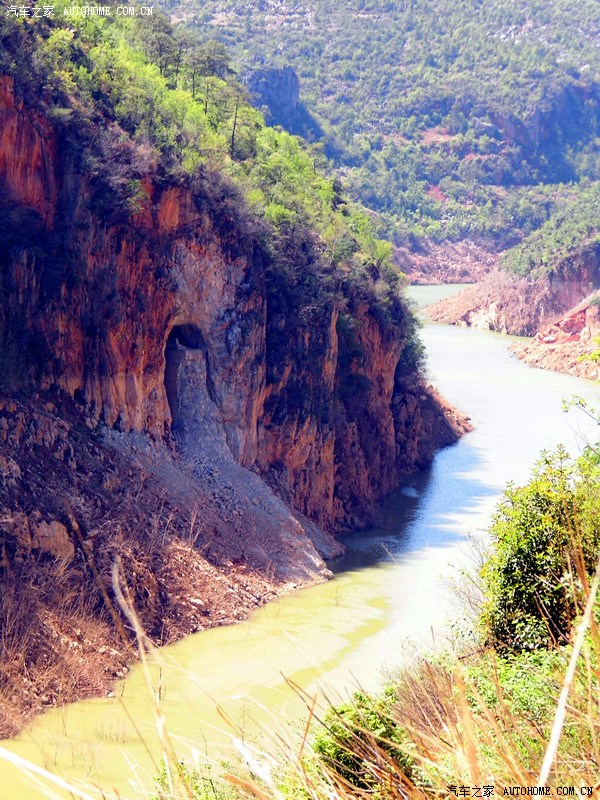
[353, 733]
[541, 533]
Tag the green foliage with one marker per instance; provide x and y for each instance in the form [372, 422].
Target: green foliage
[595, 355]
[135, 96]
[541, 533]
[352, 730]
[192, 783]
[528, 680]
[449, 119]
[521, 690]
[413, 356]
[570, 231]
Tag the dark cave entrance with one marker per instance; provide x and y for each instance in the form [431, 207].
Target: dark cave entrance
[181, 339]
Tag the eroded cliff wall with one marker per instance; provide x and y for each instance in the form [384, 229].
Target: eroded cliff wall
[92, 302]
[174, 402]
[511, 304]
[568, 344]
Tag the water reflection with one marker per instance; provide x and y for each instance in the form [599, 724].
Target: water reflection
[390, 597]
[429, 510]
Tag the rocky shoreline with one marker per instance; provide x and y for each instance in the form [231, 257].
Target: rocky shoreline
[450, 262]
[559, 317]
[567, 344]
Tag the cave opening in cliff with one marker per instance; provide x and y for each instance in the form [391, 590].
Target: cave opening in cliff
[181, 339]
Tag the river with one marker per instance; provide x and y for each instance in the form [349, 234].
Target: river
[390, 599]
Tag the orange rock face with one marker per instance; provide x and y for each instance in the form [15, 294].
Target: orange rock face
[93, 299]
[566, 345]
[27, 155]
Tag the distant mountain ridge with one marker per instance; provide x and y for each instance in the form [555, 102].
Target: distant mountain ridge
[449, 118]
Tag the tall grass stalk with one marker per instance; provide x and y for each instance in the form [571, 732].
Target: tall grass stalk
[457, 728]
[561, 709]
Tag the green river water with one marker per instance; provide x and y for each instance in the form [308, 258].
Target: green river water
[390, 598]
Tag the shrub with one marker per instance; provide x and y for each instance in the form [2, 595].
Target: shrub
[356, 731]
[541, 534]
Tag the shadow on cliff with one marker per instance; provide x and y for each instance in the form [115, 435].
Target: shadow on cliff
[436, 507]
[276, 91]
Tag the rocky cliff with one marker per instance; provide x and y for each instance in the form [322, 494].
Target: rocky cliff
[522, 306]
[172, 397]
[277, 91]
[567, 344]
[558, 312]
[95, 306]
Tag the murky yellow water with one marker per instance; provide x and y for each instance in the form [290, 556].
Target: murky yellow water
[391, 595]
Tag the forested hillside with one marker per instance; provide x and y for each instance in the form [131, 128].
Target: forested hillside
[573, 228]
[451, 119]
[136, 94]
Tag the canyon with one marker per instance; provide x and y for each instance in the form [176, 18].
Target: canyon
[174, 406]
[558, 312]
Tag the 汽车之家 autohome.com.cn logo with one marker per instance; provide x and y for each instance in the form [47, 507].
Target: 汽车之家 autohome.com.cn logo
[521, 791]
[80, 11]
[30, 11]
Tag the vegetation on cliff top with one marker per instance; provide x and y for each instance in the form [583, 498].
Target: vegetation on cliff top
[450, 119]
[135, 97]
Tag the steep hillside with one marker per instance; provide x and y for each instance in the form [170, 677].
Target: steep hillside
[206, 364]
[560, 245]
[452, 120]
[545, 278]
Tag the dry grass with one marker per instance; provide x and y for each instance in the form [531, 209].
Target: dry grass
[62, 638]
[459, 737]
[55, 643]
[457, 734]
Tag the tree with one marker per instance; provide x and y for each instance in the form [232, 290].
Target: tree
[155, 34]
[210, 59]
[544, 534]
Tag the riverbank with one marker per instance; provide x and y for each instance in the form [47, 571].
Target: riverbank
[558, 312]
[90, 499]
[390, 597]
[201, 543]
[189, 384]
[568, 344]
